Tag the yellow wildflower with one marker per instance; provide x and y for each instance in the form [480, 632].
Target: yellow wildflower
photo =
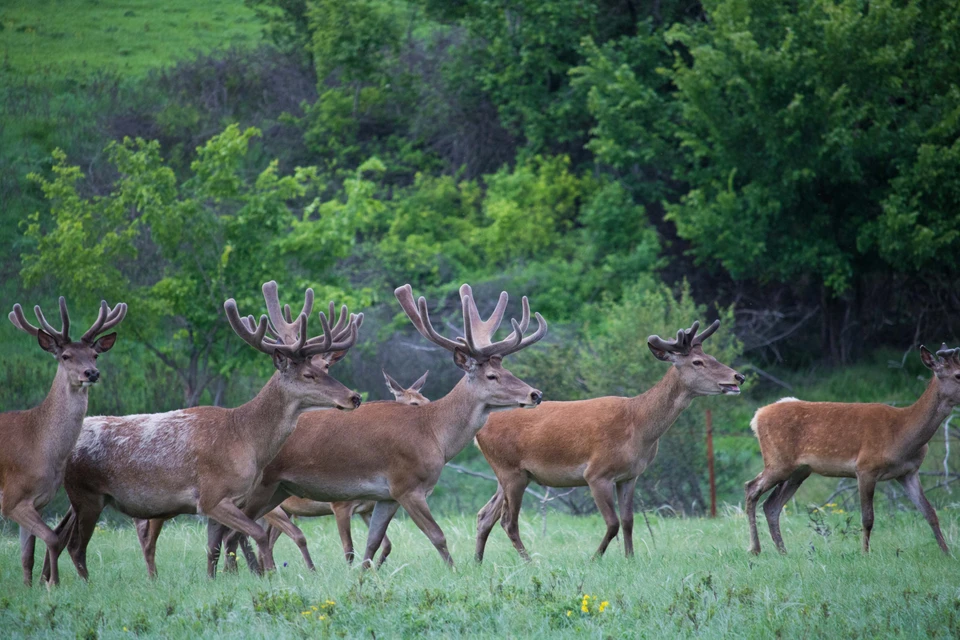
[604, 605]
[322, 618]
[305, 613]
[830, 504]
[568, 613]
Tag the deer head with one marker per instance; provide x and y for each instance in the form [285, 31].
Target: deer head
[76, 359]
[409, 396]
[302, 363]
[476, 353]
[946, 366]
[701, 374]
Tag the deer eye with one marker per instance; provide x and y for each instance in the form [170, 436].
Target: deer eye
[414, 404]
[309, 376]
[96, 355]
[957, 376]
[65, 356]
[491, 376]
[698, 363]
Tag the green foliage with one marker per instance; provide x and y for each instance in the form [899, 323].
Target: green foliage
[214, 235]
[795, 119]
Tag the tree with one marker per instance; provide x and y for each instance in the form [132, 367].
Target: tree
[176, 249]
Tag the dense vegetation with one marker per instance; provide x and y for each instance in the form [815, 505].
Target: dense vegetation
[789, 167]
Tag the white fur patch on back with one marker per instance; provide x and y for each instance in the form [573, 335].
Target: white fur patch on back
[787, 399]
[152, 438]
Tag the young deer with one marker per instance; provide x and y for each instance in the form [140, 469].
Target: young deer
[342, 511]
[603, 443]
[392, 453]
[206, 460]
[37, 441]
[868, 441]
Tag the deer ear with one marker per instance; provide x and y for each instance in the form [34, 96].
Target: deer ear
[929, 360]
[660, 354]
[416, 386]
[46, 341]
[392, 384]
[464, 360]
[280, 361]
[335, 357]
[105, 343]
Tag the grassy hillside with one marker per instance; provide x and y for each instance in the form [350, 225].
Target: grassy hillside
[694, 580]
[132, 36]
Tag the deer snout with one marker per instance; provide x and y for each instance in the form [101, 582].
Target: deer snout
[535, 398]
[355, 399]
[739, 377]
[92, 375]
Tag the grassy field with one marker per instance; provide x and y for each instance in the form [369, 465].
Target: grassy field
[132, 36]
[693, 579]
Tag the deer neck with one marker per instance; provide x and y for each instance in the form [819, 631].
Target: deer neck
[925, 416]
[266, 421]
[655, 410]
[456, 418]
[60, 416]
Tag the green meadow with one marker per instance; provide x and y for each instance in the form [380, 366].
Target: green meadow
[693, 578]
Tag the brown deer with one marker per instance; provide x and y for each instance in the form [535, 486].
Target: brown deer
[206, 460]
[342, 511]
[867, 441]
[393, 453]
[603, 443]
[38, 441]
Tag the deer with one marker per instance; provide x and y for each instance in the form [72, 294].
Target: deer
[38, 441]
[393, 453]
[871, 442]
[602, 443]
[206, 460]
[342, 511]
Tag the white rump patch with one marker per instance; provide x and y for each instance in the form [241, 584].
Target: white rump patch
[753, 422]
[787, 399]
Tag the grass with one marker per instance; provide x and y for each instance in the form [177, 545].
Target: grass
[130, 36]
[695, 580]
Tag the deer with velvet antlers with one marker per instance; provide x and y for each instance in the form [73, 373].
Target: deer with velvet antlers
[206, 460]
[342, 511]
[38, 441]
[603, 443]
[393, 453]
[867, 441]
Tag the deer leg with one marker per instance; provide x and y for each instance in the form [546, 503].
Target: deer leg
[28, 546]
[343, 512]
[754, 489]
[234, 540]
[387, 546]
[33, 526]
[415, 504]
[773, 507]
[81, 531]
[510, 514]
[383, 512]
[486, 519]
[911, 484]
[63, 531]
[867, 483]
[625, 498]
[279, 519]
[148, 531]
[228, 514]
[602, 491]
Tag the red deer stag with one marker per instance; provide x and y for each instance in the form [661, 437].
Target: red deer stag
[868, 441]
[38, 441]
[392, 453]
[342, 511]
[206, 460]
[603, 443]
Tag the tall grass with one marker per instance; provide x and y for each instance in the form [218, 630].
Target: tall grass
[693, 579]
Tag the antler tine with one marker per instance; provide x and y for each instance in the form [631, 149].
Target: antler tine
[253, 338]
[286, 313]
[352, 332]
[65, 317]
[947, 353]
[342, 322]
[477, 332]
[706, 333]
[62, 336]
[523, 343]
[420, 317]
[20, 321]
[112, 318]
[287, 331]
[686, 339]
[524, 319]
